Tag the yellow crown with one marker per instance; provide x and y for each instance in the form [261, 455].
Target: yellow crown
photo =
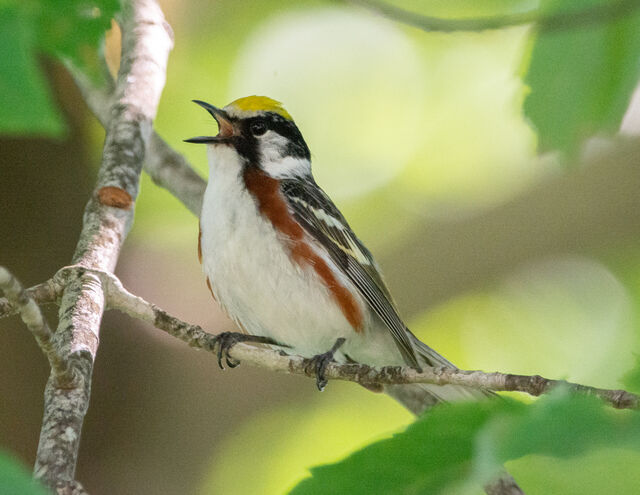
[259, 104]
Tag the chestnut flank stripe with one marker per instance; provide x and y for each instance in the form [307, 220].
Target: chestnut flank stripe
[272, 205]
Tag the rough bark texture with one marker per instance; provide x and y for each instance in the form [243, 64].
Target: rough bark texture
[146, 42]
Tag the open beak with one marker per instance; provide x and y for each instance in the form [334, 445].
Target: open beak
[225, 127]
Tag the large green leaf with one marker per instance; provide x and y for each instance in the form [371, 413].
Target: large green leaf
[582, 76]
[72, 29]
[471, 441]
[15, 479]
[432, 452]
[560, 425]
[26, 103]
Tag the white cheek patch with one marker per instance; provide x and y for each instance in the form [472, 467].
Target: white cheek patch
[272, 145]
[273, 160]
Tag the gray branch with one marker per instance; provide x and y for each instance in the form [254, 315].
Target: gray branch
[119, 298]
[23, 302]
[44, 293]
[146, 42]
[363, 374]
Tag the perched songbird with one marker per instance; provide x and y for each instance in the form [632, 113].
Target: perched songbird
[282, 261]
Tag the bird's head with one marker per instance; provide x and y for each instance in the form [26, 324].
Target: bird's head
[262, 133]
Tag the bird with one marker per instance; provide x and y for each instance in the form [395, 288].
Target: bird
[282, 261]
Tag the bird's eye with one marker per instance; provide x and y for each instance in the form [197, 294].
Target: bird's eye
[258, 128]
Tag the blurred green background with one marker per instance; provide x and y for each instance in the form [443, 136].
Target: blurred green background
[499, 256]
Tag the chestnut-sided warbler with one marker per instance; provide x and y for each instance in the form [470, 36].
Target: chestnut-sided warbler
[282, 261]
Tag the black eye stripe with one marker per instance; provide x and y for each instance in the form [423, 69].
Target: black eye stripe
[248, 144]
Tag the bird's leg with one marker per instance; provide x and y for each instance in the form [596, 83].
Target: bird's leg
[318, 364]
[226, 340]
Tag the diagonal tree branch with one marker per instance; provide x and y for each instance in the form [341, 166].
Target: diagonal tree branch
[146, 42]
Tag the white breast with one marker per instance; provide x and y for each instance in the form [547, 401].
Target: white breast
[250, 270]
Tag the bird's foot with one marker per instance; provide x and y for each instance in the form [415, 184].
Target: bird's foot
[318, 364]
[226, 340]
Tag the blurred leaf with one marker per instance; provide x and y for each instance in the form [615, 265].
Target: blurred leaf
[14, 478]
[625, 264]
[631, 380]
[560, 425]
[582, 77]
[429, 454]
[456, 440]
[605, 470]
[71, 29]
[26, 103]
[74, 29]
[270, 439]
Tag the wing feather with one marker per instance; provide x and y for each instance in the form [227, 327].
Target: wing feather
[317, 214]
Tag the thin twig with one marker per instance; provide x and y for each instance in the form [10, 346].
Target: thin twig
[44, 293]
[31, 315]
[121, 299]
[394, 375]
[363, 374]
[545, 21]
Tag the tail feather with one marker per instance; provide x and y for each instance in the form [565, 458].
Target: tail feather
[418, 397]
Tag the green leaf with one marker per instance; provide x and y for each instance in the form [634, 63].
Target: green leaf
[432, 452]
[74, 29]
[471, 441]
[631, 380]
[560, 425]
[581, 77]
[14, 478]
[26, 103]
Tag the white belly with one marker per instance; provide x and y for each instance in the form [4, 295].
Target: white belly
[252, 275]
[263, 290]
